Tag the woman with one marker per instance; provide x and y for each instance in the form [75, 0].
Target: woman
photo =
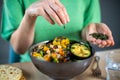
[26, 22]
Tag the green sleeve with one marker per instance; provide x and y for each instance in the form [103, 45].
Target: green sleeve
[92, 13]
[12, 14]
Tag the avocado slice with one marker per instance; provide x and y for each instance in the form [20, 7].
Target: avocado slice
[80, 50]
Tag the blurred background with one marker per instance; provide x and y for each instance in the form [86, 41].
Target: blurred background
[110, 15]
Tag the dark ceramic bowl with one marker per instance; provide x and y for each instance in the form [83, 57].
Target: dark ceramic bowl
[61, 71]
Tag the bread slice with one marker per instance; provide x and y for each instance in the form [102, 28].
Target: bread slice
[22, 78]
[8, 72]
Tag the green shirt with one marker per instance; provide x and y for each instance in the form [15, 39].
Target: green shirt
[81, 13]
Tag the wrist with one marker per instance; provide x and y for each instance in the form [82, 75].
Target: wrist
[29, 20]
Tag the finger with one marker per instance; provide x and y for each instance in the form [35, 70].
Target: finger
[94, 42]
[98, 41]
[104, 43]
[41, 12]
[112, 43]
[59, 13]
[47, 17]
[53, 15]
[110, 40]
[108, 43]
[101, 46]
[64, 10]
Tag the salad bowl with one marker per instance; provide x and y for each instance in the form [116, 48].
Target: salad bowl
[63, 70]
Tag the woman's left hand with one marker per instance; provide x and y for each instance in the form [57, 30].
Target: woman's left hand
[98, 28]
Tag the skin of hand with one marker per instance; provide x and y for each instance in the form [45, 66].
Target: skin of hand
[52, 10]
[98, 28]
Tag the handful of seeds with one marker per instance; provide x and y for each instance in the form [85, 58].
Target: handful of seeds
[99, 36]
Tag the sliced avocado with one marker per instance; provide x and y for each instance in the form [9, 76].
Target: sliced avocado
[80, 50]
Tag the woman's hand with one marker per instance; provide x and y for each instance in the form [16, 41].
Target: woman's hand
[52, 10]
[98, 28]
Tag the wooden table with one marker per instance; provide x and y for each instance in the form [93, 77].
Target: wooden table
[31, 73]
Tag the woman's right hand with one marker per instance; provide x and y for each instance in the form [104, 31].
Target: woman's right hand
[52, 10]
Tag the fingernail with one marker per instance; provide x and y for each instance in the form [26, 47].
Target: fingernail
[65, 22]
[61, 24]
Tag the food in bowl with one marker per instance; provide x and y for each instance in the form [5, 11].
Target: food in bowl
[62, 49]
[80, 50]
[65, 66]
